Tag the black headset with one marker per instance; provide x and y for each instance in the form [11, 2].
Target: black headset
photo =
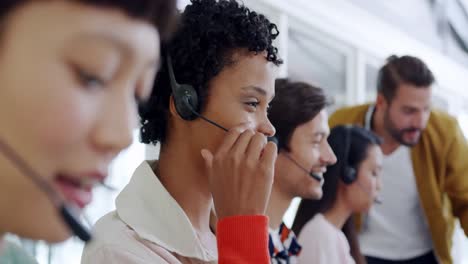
[185, 96]
[348, 173]
[64, 210]
[186, 102]
[314, 176]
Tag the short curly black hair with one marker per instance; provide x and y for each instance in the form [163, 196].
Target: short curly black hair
[208, 34]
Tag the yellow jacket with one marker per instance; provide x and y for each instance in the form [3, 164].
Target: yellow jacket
[440, 164]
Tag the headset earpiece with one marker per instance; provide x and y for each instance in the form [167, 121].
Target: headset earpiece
[186, 101]
[184, 95]
[348, 174]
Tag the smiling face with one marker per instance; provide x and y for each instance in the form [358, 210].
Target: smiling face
[239, 94]
[67, 103]
[309, 148]
[407, 114]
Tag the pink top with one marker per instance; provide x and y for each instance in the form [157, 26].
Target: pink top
[323, 243]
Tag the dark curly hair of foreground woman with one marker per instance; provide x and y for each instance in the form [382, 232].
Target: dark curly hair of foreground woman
[209, 31]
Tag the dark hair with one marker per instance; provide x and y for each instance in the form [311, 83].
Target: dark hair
[208, 34]
[160, 13]
[360, 141]
[402, 70]
[295, 103]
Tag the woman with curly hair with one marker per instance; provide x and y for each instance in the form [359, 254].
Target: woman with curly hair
[224, 52]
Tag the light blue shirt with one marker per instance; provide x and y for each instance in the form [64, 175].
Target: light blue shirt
[11, 253]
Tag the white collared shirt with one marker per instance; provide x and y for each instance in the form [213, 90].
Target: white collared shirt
[148, 226]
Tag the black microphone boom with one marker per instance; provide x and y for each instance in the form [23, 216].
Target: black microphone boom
[204, 118]
[65, 212]
[313, 175]
[72, 221]
[272, 139]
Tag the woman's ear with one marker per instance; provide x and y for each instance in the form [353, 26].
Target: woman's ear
[172, 109]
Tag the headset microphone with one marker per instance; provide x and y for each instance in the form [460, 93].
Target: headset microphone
[314, 176]
[186, 103]
[64, 210]
[269, 139]
[186, 99]
[377, 200]
[311, 174]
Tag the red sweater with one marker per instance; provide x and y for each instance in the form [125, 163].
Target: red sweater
[243, 239]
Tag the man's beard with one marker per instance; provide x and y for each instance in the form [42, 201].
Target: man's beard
[398, 134]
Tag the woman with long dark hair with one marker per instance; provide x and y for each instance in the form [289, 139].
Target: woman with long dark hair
[325, 227]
